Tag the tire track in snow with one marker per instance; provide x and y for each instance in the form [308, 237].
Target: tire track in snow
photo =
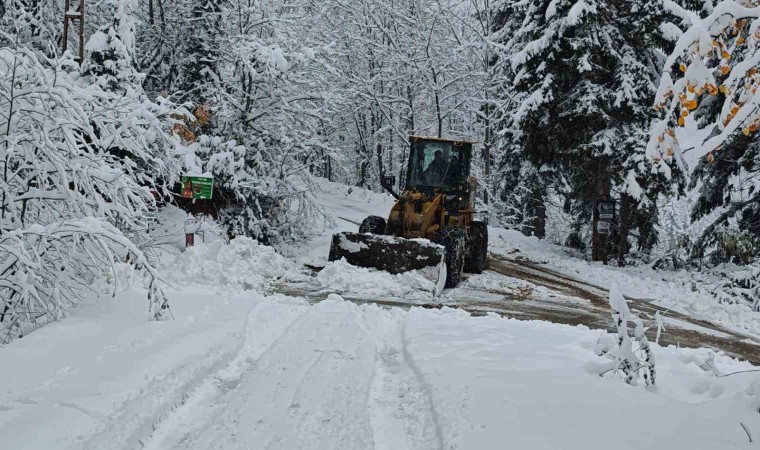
[398, 406]
[424, 386]
[198, 405]
[308, 390]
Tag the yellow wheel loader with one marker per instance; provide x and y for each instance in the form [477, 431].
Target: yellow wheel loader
[432, 223]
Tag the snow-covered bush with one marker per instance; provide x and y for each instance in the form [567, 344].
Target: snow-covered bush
[741, 285]
[67, 197]
[627, 361]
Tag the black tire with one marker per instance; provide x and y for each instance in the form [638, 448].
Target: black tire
[373, 224]
[477, 249]
[454, 241]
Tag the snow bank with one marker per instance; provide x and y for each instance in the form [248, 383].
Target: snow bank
[344, 278]
[242, 264]
[536, 385]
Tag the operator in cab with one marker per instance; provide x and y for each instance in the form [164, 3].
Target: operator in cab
[436, 170]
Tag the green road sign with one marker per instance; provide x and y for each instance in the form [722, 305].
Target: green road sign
[197, 187]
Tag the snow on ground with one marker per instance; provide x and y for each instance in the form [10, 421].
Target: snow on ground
[342, 277]
[346, 207]
[247, 371]
[243, 264]
[680, 291]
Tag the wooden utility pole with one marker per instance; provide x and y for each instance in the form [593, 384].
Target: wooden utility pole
[69, 17]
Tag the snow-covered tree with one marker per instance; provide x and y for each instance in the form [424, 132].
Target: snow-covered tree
[709, 91]
[67, 204]
[110, 59]
[587, 73]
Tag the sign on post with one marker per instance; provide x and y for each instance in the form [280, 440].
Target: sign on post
[603, 227]
[606, 209]
[197, 187]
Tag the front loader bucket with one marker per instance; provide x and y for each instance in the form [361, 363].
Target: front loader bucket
[389, 253]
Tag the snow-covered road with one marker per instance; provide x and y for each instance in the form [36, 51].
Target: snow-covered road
[321, 377]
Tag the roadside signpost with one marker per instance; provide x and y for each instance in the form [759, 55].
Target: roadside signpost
[197, 188]
[606, 214]
[606, 209]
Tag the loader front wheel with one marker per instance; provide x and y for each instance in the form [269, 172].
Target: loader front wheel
[454, 241]
[477, 250]
[372, 224]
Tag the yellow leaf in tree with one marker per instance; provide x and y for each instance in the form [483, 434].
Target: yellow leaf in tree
[711, 89]
[691, 105]
[740, 40]
[710, 158]
[735, 109]
[724, 89]
[728, 120]
[684, 112]
[690, 88]
[682, 67]
[681, 121]
[751, 72]
[725, 54]
[672, 133]
[669, 152]
[725, 70]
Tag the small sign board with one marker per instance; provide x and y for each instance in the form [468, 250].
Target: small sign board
[606, 209]
[197, 187]
[603, 227]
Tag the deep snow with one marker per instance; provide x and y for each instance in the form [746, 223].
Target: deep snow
[248, 371]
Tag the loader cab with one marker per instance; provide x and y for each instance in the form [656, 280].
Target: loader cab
[439, 165]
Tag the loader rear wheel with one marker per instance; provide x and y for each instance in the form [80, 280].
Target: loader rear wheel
[477, 250]
[372, 224]
[454, 241]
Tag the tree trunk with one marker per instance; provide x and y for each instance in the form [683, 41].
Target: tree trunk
[537, 209]
[627, 205]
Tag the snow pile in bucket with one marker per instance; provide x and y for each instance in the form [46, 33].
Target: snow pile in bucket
[342, 277]
[243, 263]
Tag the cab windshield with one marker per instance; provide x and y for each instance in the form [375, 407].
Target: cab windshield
[436, 164]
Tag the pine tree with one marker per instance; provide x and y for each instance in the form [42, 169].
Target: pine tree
[586, 71]
[110, 51]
